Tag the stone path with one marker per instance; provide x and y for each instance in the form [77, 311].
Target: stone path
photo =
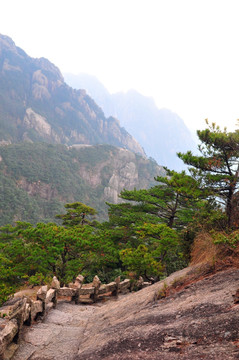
[69, 328]
[200, 321]
[58, 337]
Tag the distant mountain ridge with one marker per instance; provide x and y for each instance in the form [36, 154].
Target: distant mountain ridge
[37, 105]
[161, 132]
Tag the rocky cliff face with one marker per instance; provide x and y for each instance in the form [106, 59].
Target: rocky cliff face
[37, 105]
[38, 179]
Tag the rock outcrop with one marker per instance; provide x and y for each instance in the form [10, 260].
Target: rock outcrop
[200, 321]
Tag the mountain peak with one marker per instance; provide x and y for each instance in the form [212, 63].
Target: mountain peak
[6, 41]
[7, 46]
[46, 65]
[37, 105]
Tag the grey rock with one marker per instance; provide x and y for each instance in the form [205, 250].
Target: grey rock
[41, 294]
[36, 308]
[65, 291]
[8, 330]
[124, 285]
[96, 282]
[55, 284]
[51, 293]
[79, 280]
[111, 286]
[87, 290]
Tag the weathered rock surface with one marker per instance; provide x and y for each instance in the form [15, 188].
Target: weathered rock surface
[8, 331]
[55, 284]
[42, 292]
[36, 308]
[198, 322]
[59, 336]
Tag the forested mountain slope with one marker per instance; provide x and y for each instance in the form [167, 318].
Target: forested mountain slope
[37, 179]
[41, 118]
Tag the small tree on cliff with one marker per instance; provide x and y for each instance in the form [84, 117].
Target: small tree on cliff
[172, 201]
[77, 214]
[217, 167]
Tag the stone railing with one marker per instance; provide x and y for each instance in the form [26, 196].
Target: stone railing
[19, 311]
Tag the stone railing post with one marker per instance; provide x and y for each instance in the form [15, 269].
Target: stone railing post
[41, 295]
[116, 291]
[55, 285]
[96, 285]
[77, 285]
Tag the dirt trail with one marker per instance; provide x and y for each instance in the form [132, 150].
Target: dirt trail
[198, 322]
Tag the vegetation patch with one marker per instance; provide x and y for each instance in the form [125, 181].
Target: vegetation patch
[185, 217]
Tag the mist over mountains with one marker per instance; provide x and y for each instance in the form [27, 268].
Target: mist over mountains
[160, 132]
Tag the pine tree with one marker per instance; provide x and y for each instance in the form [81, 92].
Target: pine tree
[217, 168]
[172, 201]
[76, 214]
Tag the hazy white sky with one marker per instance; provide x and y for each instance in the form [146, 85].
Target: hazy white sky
[183, 53]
